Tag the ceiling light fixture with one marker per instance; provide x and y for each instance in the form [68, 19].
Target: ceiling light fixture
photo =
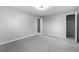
[41, 7]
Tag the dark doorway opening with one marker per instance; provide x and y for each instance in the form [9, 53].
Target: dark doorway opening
[70, 26]
[78, 27]
[38, 25]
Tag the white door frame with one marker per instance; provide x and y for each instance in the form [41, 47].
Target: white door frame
[41, 27]
[76, 26]
[75, 12]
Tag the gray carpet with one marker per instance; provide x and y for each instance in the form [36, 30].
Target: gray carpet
[41, 43]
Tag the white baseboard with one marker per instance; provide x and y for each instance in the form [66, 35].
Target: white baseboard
[53, 35]
[17, 39]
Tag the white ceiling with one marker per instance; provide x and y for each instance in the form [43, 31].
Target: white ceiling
[48, 11]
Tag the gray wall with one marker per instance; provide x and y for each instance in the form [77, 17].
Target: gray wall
[16, 24]
[55, 25]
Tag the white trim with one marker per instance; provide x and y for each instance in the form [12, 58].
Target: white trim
[76, 26]
[36, 24]
[17, 39]
[41, 29]
[53, 35]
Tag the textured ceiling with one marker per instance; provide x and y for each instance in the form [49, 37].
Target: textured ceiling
[48, 11]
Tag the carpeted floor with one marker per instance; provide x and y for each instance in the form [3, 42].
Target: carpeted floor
[41, 43]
